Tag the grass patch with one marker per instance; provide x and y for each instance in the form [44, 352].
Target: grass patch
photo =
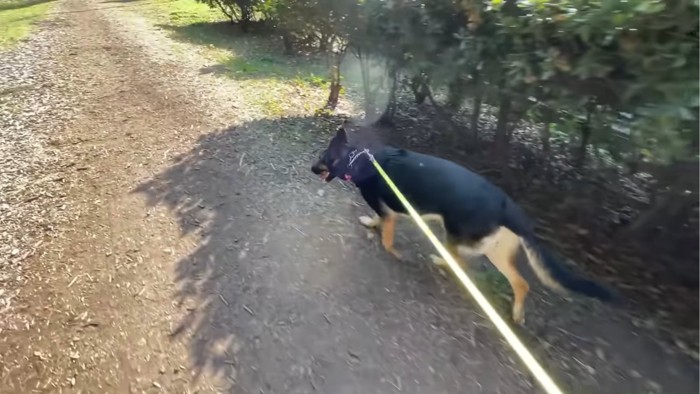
[187, 20]
[254, 54]
[496, 288]
[17, 18]
[274, 84]
[263, 65]
[183, 12]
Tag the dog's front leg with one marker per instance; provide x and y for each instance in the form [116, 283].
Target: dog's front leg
[386, 228]
[374, 202]
[371, 222]
[384, 219]
[387, 231]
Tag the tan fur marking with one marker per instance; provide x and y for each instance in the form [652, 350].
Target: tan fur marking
[482, 246]
[388, 227]
[454, 251]
[541, 271]
[428, 217]
[502, 253]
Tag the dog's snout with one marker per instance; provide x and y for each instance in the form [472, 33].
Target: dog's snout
[319, 168]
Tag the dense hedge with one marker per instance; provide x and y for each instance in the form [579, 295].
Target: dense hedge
[620, 75]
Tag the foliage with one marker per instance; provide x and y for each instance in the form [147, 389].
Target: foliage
[620, 75]
[637, 59]
[325, 24]
[238, 11]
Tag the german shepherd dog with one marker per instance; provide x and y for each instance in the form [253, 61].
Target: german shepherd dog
[478, 217]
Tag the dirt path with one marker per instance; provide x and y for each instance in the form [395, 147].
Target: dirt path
[207, 258]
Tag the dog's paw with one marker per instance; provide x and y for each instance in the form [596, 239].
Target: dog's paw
[437, 260]
[518, 315]
[368, 221]
[396, 254]
[519, 319]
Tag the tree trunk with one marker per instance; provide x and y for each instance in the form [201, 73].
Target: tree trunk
[323, 42]
[387, 117]
[368, 93]
[455, 96]
[226, 11]
[246, 14]
[585, 135]
[476, 114]
[501, 138]
[246, 18]
[545, 135]
[419, 88]
[288, 44]
[583, 147]
[334, 94]
[476, 107]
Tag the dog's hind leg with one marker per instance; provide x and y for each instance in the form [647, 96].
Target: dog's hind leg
[503, 255]
[452, 246]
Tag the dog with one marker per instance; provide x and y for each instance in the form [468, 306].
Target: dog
[478, 217]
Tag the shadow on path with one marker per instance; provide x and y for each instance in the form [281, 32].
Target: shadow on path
[285, 293]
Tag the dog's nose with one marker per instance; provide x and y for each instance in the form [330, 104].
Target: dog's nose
[318, 168]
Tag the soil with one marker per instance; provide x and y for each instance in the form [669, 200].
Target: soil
[196, 252]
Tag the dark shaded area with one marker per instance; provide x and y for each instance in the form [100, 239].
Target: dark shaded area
[586, 212]
[286, 294]
[310, 305]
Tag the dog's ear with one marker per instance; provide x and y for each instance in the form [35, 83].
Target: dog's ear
[342, 135]
[338, 143]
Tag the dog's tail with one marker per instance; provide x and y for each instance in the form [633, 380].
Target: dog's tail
[546, 266]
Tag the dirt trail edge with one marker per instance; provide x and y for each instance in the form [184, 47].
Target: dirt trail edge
[203, 258]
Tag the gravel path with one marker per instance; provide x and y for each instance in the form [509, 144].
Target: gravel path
[34, 106]
[189, 249]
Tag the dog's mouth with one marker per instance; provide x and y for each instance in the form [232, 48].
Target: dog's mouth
[322, 172]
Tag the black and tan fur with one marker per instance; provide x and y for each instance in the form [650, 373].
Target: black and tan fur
[478, 217]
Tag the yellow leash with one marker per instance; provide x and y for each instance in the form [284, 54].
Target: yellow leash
[540, 374]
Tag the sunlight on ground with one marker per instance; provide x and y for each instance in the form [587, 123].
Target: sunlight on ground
[275, 84]
[17, 18]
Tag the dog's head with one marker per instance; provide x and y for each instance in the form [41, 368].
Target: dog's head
[348, 160]
[333, 160]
